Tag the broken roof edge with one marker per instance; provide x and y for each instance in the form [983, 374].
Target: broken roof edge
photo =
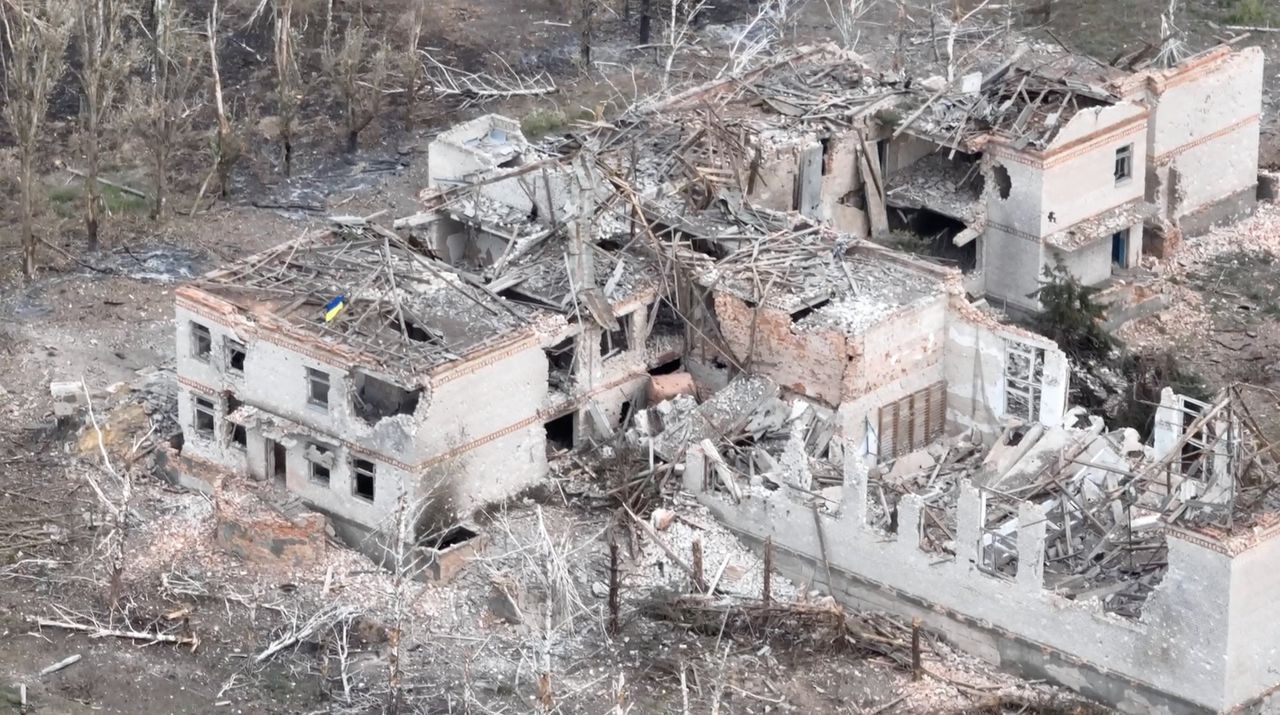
[682, 99]
[1228, 543]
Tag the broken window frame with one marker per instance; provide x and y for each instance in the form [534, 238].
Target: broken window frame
[201, 342]
[359, 470]
[316, 378]
[231, 348]
[1023, 380]
[1124, 164]
[608, 348]
[203, 407]
[320, 464]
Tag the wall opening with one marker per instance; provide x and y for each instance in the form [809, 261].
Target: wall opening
[375, 399]
[560, 359]
[278, 460]
[362, 483]
[204, 417]
[320, 459]
[1120, 248]
[1004, 182]
[1023, 380]
[235, 356]
[560, 433]
[808, 310]
[929, 233]
[998, 545]
[614, 342]
[201, 342]
[667, 368]
[1124, 163]
[452, 537]
[826, 155]
[317, 388]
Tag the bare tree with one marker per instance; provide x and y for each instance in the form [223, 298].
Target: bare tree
[226, 145]
[679, 32]
[646, 20]
[846, 16]
[289, 84]
[35, 35]
[163, 112]
[121, 483]
[585, 22]
[105, 58]
[412, 61]
[788, 14]
[358, 68]
[754, 40]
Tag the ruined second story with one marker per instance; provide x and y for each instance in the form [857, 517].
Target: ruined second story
[352, 367]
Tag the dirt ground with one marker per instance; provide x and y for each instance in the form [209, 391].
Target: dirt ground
[107, 320]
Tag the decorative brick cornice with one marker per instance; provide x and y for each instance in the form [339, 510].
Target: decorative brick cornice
[475, 363]
[1011, 231]
[196, 386]
[1001, 148]
[1167, 157]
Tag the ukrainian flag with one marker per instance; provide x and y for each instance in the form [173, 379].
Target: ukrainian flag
[333, 307]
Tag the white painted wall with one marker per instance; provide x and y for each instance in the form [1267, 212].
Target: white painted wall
[1178, 646]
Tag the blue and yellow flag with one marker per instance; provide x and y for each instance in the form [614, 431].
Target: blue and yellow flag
[333, 307]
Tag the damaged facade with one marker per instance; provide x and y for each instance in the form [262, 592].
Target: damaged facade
[898, 443]
[1026, 162]
[427, 384]
[1140, 575]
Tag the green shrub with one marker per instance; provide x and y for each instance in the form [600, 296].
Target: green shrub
[1250, 12]
[541, 122]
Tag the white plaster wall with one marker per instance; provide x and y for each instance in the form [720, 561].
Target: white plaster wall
[973, 367]
[1213, 171]
[1229, 92]
[1021, 211]
[1013, 268]
[1178, 646]
[275, 379]
[489, 399]
[338, 496]
[1091, 264]
[1255, 631]
[1084, 186]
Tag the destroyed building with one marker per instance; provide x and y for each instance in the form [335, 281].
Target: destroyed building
[426, 383]
[896, 442]
[1019, 164]
[1071, 162]
[1140, 575]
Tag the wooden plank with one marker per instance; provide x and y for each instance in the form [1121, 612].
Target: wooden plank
[874, 190]
[811, 180]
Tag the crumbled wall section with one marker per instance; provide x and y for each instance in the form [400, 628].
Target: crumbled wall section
[1203, 137]
[811, 364]
[1176, 659]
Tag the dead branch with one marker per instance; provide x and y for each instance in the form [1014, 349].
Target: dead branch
[298, 632]
[473, 87]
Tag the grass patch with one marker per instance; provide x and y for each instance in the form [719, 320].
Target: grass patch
[1254, 13]
[67, 201]
[541, 122]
